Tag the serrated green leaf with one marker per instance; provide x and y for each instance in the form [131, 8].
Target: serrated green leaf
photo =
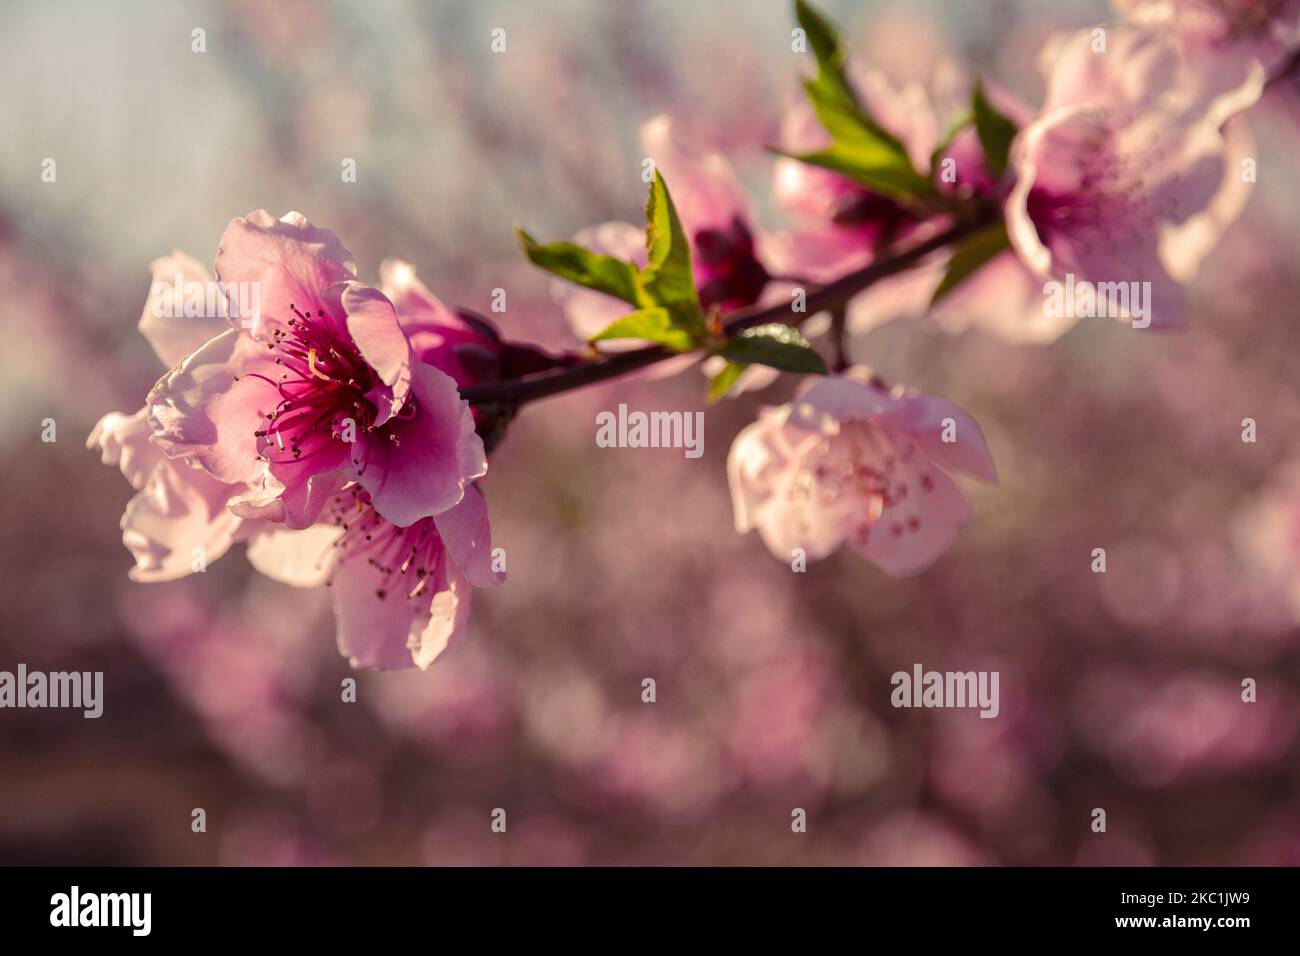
[721, 383]
[995, 131]
[668, 279]
[776, 345]
[667, 275]
[970, 255]
[584, 267]
[654, 324]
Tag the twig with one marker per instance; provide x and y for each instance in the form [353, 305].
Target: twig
[513, 393]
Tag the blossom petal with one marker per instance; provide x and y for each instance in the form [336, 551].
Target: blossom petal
[372, 323]
[179, 516]
[905, 542]
[288, 261]
[304, 496]
[929, 418]
[437, 333]
[1005, 298]
[436, 453]
[164, 321]
[123, 440]
[209, 408]
[467, 537]
[448, 612]
[303, 559]
[375, 624]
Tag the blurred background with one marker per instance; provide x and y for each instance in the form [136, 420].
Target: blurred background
[1120, 691]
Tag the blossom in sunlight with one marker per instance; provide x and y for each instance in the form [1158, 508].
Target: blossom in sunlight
[1117, 181]
[851, 461]
[401, 595]
[401, 591]
[843, 225]
[178, 510]
[318, 390]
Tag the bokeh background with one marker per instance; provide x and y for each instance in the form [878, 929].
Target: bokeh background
[1119, 691]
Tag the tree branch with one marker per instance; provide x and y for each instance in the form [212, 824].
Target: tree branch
[515, 392]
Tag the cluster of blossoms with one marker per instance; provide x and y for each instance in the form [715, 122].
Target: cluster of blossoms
[331, 432]
[327, 432]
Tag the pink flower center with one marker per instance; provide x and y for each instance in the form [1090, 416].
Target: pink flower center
[323, 387]
[1111, 208]
[872, 465]
[403, 558]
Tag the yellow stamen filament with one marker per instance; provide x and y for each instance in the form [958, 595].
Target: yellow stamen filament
[311, 365]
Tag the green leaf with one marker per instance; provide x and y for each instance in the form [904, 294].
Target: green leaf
[870, 164]
[995, 131]
[776, 345]
[970, 255]
[822, 34]
[584, 267]
[721, 383]
[654, 324]
[861, 148]
[667, 278]
[838, 108]
[667, 306]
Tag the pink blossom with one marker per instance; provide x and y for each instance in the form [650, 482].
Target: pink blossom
[1230, 47]
[850, 460]
[840, 212]
[458, 342]
[401, 594]
[320, 389]
[726, 240]
[1157, 235]
[1117, 180]
[178, 514]
[177, 509]
[843, 225]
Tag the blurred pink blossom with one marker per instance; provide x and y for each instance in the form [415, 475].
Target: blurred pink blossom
[1231, 47]
[1118, 180]
[850, 460]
